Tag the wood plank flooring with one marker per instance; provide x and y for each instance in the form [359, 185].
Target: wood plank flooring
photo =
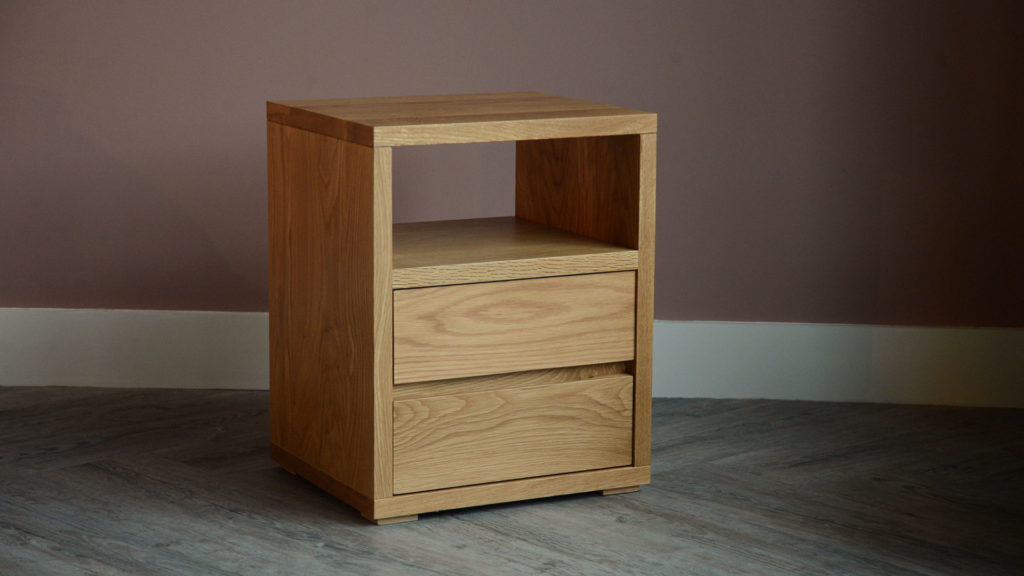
[103, 481]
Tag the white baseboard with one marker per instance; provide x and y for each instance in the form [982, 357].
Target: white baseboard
[133, 348]
[829, 362]
[840, 363]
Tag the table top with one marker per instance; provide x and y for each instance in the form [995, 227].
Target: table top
[447, 119]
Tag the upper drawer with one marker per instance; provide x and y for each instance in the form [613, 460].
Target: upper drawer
[496, 327]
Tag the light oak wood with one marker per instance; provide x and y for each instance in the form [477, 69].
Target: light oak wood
[328, 319]
[394, 520]
[313, 200]
[507, 381]
[490, 249]
[511, 491]
[623, 490]
[463, 496]
[642, 365]
[603, 188]
[315, 474]
[588, 186]
[383, 323]
[515, 350]
[458, 119]
[497, 327]
[481, 437]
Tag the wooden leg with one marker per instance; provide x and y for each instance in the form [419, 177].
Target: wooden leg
[393, 520]
[622, 490]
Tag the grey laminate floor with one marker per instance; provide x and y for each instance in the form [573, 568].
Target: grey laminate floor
[96, 481]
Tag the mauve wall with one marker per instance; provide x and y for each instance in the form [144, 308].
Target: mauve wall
[846, 161]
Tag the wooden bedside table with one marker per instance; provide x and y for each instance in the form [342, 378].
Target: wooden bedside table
[435, 365]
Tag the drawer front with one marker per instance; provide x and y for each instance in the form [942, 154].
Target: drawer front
[473, 438]
[497, 327]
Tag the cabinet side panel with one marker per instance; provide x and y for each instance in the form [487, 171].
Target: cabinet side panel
[277, 219]
[588, 186]
[321, 303]
[642, 370]
[383, 324]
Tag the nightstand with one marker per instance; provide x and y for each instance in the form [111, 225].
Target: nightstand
[434, 365]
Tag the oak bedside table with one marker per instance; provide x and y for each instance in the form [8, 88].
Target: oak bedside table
[435, 365]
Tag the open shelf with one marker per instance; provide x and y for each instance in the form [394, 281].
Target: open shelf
[490, 249]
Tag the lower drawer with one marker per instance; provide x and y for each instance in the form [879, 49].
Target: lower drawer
[473, 438]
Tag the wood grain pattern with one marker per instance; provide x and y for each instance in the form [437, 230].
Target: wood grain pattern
[494, 317]
[490, 249]
[300, 467]
[623, 490]
[278, 297]
[480, 437]
[508, 381]
[510, 491]
[524, 127]
[588, 186]
[603, 188]
[450, 119]
[497, 327]
[643, 364]
[383, 324]
[323, 318]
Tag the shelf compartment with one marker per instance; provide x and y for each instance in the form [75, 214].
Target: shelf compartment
[491, 249]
